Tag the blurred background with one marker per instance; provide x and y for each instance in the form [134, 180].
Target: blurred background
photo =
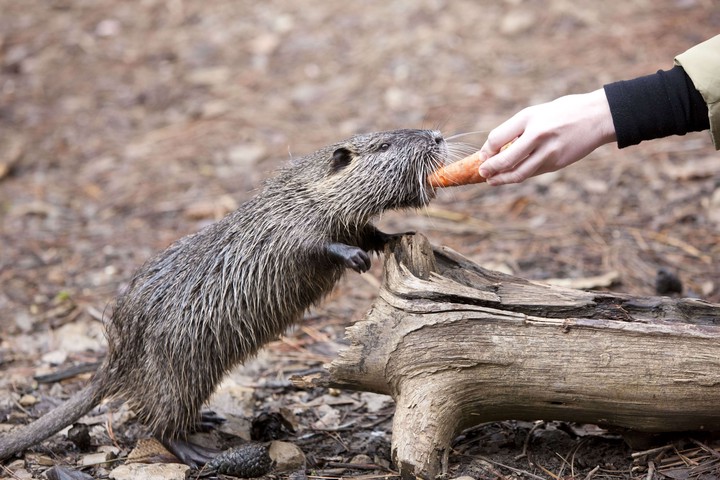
[127, 124]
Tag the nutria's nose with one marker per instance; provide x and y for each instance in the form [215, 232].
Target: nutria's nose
[437, 136]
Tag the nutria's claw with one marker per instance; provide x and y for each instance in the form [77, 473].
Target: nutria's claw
[209, 420]
[359, 261]
[350, 256]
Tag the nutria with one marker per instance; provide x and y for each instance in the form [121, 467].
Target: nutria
[213, 298]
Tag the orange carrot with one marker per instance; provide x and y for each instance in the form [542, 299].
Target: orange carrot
[463, 172]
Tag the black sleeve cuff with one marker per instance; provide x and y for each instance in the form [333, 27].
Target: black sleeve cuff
[656, 106]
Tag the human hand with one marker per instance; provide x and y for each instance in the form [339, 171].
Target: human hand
[547, 137]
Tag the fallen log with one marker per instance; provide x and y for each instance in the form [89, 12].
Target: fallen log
[456, 345]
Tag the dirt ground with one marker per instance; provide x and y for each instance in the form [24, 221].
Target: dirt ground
[125, 125]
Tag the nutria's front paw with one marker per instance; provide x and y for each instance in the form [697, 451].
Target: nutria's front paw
[352, 257]
[358, 261]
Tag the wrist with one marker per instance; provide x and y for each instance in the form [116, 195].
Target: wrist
[599, 111]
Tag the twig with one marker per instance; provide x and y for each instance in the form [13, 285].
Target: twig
[516, 470]
[340, 428]
[676, 242]
[651, 470]
[370, 477]
[315, 334]
[22, 409]
[547, 471]
[299, 347]
[592, 472]
[523, 454]
[651, 451]
[361, 477]
[572, 457]
[354, 466]
[70, 372]
[8, 472]
[709, 450]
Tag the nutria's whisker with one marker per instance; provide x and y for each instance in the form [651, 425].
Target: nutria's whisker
[465, 134]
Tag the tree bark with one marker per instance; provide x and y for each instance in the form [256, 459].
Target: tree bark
[456, 345]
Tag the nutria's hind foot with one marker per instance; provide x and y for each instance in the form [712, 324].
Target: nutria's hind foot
[350, 256]
[191, 454]
[209, 420]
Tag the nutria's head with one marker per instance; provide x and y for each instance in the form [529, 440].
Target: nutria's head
[370, 173]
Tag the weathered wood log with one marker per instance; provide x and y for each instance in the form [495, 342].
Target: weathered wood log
[456, 345]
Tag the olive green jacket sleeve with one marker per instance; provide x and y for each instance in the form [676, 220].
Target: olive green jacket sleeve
[702, 64]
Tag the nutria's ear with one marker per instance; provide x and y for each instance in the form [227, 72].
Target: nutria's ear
[341, 158]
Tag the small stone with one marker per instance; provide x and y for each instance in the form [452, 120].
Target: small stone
[24, 321]
[237, 426]
[151, 471]
[329, 417]
[16, 465]
[381, 462]
[298, 475]
[80, 337]
[21, 474]
[112, 449]
[99, 458]
[56, 357]
[43, 460]
[287, 456]
[27, 400]
[374, 402]
[361, 459]
[464, 477]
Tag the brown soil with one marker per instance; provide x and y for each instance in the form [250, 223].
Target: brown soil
[125, 125]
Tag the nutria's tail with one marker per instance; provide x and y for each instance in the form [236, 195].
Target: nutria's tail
[51, 423]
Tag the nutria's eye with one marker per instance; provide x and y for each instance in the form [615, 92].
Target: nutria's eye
[341, 158]
[384, 147]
